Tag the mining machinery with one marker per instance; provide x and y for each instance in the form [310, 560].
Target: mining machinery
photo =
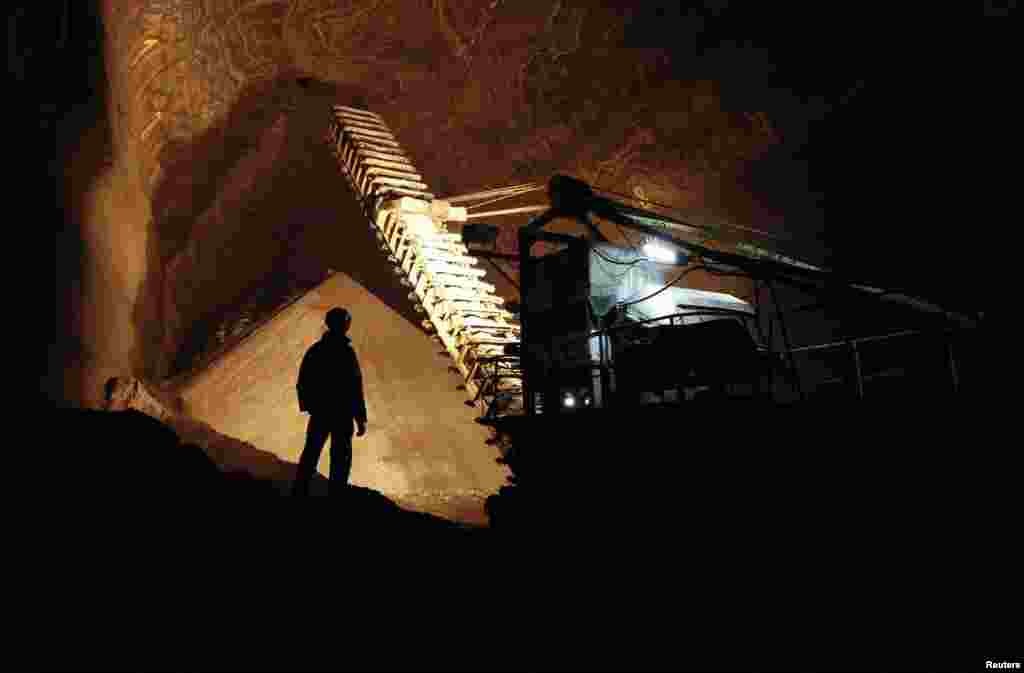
[603, 357]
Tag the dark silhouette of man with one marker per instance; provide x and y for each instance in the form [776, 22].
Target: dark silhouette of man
[330, 389]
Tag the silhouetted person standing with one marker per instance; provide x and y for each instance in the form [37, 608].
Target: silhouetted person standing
[330, 388]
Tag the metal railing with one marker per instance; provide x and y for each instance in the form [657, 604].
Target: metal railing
[854, 345]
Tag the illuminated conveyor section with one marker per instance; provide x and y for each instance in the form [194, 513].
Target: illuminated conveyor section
[467, 317]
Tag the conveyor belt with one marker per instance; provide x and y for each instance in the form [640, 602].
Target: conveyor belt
[459, 307]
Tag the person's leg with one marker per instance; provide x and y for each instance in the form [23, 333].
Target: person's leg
[341, 455]
[316, 435]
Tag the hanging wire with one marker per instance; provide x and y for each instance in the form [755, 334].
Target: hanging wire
[695, 226]
[615, 261]
[500, 198]
[632, 197]
[625, 237]
[613, 280]
[642, 214]
[504, 273]
[497, 191]
[642, 258]
[662, 289]
[502, 194]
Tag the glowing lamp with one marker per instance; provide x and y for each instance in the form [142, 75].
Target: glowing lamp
[659, 252]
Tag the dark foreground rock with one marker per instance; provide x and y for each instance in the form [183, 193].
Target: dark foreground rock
[101, 455]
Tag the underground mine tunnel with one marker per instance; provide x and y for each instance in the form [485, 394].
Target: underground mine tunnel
[205, 222]
[224, 173]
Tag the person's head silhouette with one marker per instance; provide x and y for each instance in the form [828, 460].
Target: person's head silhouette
[338, 320]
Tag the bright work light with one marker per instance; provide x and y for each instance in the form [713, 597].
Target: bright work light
[660, 252]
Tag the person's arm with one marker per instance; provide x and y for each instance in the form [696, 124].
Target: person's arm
[358, 400]
[300, 388]
[302, 385]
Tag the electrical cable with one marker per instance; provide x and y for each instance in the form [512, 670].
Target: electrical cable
[594, 189]
[637, 250]
[878, 292]
[628, 241]
[500, 198]
[639, 314]
[614, 278]
[615, 261]
[675, 209]
[630, 211]
[659, 291]
[635, 261]
[504, 273]
[505, 193]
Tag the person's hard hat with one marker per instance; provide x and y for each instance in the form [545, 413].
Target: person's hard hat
[337, 318]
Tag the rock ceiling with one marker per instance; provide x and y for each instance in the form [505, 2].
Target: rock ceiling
[482, 93]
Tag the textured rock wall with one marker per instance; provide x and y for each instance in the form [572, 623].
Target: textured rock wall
[229, 454]
[102, 211]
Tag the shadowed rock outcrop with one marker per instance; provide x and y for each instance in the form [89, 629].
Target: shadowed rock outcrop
[150, 419]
